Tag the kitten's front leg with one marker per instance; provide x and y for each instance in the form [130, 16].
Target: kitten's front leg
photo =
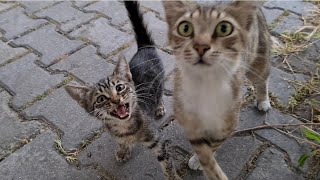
[160, 150]
[160, 111]
[124, 152]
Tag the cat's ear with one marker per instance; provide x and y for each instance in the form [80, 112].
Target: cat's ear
[175, 9]
[78, 93]
[248, 4]
[122, 68]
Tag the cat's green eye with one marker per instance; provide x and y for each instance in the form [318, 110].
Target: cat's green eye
[224, 29]
[120, 87]
[185, 29]
[101, 98]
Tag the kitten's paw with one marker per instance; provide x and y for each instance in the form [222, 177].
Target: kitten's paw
[194, 163]
[160, 111]
[264, 105]
[123, 155]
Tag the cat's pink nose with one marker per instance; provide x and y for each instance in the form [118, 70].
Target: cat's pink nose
[201, 48]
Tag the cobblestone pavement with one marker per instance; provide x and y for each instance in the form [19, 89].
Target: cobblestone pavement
[44, 134]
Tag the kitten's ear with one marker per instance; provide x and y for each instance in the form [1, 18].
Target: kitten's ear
[77, 92]
[175, 9]
[122, 68]
[248, 4]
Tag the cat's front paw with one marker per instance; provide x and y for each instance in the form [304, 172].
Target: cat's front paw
[161, 110]
[194, 163]
[123, 155]
[263, 105]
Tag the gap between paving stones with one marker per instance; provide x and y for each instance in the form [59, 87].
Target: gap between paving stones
[282, 9]
[33, 12]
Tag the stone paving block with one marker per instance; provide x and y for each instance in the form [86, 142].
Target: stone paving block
[27, 80]
[39, 160]
[142, 165]
[65, 113]
[297, 6]
[289, 24]
[271, 165]
[290, 145]
[113, 9]
[235, 152]
[158, 29]
[80, 3]
[100, 32]
[14, 22]
[155, 6]
[7, 52]
[71, 17]
[250, 117]
[52, 47]
[271, 14]
[33, 6]
[86, 65]
[4, 6]
[278, 83]
[13, 131]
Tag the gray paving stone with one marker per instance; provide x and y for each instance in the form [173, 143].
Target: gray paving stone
[62, 111]
[26, 79]
[39, 160]
[71, 17]
[100, 32]
[278, 83]
[113, 9]
[14, 22]
[7, 52]
[158, 29]
[4, 6]
[271, 165]
[271, 14]
[33, 6]
[86, 65]
[298, 6]
[234, 154]
[142, 165]
[289, 24]
[13, 131]
[250, 117]
[155, 6]
[80, 3]
[52, 47]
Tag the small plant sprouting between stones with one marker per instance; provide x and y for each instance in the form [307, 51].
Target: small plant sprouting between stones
[71, 156]
[315, 137]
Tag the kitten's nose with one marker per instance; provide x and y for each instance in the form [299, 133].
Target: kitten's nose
[201, 48]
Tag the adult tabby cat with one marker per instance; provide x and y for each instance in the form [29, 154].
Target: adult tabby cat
[214, 46]
[127, 100]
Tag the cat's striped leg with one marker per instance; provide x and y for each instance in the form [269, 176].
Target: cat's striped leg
[204, 156]
[124, 152]
[166, 163]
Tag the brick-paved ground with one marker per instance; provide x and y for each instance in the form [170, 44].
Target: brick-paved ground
[45, 45]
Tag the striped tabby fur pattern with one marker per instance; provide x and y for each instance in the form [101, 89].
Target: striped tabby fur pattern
[215, 45]
[128, 99]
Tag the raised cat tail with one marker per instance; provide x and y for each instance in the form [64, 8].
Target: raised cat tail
[142, 35]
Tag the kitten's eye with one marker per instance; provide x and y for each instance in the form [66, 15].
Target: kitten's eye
[224, 29]
[120, 87]
[185, 29]
[101, 98]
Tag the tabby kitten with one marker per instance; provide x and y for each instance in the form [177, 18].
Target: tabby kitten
[214, 46]
[127, 100]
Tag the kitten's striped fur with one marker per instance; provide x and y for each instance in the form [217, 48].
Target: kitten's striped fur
[127, 100]
[210, 68]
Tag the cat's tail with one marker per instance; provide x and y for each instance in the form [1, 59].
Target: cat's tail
[142, 35]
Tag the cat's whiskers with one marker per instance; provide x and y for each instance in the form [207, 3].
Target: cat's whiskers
[144, 62]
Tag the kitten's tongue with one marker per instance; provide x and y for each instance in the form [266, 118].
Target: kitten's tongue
[121, 111]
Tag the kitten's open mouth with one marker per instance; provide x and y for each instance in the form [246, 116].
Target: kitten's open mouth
[122, 111]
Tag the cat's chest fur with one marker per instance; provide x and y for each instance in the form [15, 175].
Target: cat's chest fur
[207, 98]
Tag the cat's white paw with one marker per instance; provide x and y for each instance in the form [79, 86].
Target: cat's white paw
[264, 105]
[194, 163]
